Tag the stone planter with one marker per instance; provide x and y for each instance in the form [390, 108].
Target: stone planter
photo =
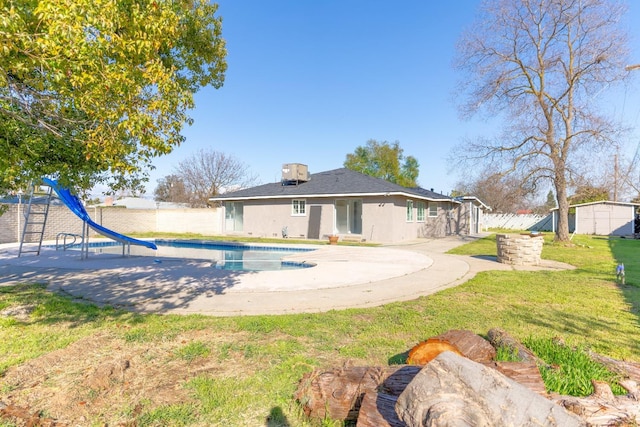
[519, 249]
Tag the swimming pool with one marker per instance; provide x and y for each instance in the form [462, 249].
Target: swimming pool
[223, 255]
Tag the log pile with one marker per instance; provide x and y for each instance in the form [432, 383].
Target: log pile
[453, 379]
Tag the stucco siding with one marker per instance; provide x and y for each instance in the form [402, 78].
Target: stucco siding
[383, 219]
[268, 220]
[443, 224]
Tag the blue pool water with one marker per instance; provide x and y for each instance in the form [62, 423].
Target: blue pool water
[224, 256]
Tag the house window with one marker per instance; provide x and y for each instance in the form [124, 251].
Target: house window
[420, 206]
[433, 209]
[409, 210]
[298, 207]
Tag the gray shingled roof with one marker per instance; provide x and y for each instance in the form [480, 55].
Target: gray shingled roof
[337, 182]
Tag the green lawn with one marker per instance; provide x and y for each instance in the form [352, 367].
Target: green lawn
[243, 370]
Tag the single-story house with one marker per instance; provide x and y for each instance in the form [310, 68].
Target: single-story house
[601, 218]
[339, 202]
[471, 214]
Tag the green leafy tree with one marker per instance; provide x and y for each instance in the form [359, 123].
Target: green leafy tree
[537, 64]
[588, 193]
[92, 90]
[386, 161]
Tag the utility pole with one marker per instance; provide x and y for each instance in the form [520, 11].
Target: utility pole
[615, 177]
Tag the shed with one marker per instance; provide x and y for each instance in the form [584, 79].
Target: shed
[604, 218]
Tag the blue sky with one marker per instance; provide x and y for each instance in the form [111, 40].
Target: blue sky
[309, 81]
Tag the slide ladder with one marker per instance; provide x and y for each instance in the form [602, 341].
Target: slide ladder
[35, 220]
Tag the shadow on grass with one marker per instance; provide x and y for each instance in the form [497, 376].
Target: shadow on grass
[627, 252]
[34, 304]
[277, 418]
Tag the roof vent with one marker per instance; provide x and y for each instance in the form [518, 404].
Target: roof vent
[294, 173]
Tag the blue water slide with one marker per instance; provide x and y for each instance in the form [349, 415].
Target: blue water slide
[75, 205]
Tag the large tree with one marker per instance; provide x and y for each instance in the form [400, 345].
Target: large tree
[539, 66]
[504, 194]
[207, 173]
[92, 90]
[384, 160]
[171, 189]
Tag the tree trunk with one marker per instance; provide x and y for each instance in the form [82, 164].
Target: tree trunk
[560, 182]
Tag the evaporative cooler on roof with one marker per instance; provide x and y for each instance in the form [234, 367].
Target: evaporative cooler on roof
[294, 173]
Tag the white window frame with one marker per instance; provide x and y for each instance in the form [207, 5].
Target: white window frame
[420, 211]
[298, 207]
[409, 210]
[433, 206]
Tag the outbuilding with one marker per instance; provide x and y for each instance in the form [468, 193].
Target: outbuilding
[604, 218]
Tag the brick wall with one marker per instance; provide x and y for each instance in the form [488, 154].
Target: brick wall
[9, 225]
[121, 220]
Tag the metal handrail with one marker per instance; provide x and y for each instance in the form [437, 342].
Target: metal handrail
[66, 245]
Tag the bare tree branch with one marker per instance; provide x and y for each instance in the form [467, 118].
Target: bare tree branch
[208, 173]
[537, 63]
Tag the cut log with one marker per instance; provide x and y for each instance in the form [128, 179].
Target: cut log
[462, 342]
[602, 408]
[379, 410]
[630, 370]
[453, 390]
[471, 345]
[424, 352]
[398, 380]
[337, 394]
[499, 338]
[632, 387]
[525, 373]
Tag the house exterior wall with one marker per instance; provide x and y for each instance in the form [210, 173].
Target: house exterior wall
[384, 219]
[443, 224]
[468, 218]
[604, 219]
[267, 219]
